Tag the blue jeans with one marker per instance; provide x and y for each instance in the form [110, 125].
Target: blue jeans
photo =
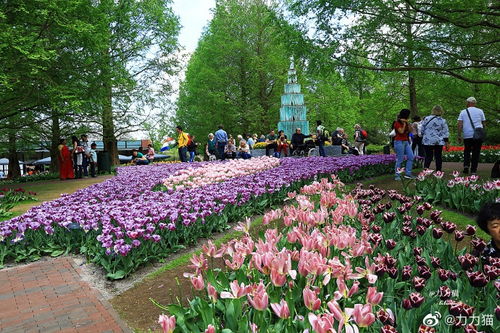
[321, 148]
[191, 156]
[220, 150]
[403, 148]
[244, 155]
[182, 154]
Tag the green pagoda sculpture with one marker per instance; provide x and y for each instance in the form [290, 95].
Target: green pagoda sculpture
[293, 111]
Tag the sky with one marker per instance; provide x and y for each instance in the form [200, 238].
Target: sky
[194, 16]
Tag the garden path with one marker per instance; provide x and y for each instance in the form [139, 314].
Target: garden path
[50, 296]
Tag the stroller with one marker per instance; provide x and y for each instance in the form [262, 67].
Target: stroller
[304, 149]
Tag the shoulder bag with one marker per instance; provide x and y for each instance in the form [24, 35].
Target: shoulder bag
[479, 132]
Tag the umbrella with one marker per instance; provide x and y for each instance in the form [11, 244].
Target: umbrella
[5, 161]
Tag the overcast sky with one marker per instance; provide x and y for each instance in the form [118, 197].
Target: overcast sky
[194, 15]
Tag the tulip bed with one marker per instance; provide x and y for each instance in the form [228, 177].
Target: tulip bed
[127, 221]
[466, 194]
[370, 260]
[489, 154]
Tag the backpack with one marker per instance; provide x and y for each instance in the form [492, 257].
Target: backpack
[364, 134]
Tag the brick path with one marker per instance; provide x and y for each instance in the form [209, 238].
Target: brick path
[50, 296]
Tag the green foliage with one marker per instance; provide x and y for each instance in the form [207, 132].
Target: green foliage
[236, 74]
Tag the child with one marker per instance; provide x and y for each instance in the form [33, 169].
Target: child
[191, 148]
[282, 146]
[488, 219]
[93, 159]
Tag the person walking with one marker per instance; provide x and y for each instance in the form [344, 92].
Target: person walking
[221, 140]
[402, 145]
[359, 139]
[182, 142]
[321, 137]
[434, 136]
[470, 122]
[65, 161]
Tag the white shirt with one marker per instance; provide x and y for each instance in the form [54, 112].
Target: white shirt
[477, 116]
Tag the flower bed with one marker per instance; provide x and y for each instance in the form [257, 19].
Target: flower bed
[371, 261]
[218, 172]
[122, 223]
[466, 194]
[489, 154]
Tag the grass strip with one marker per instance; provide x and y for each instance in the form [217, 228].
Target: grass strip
[184, 259]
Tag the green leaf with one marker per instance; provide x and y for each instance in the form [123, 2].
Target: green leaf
[117, 275]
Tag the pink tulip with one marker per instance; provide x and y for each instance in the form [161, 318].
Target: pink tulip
[237, 291]
[197, 282]
[281, 309]
[373, 297]
[167, 323]
[363, 315]
[210, 329]
[260, 298]
[212, 293]
[311, 301]
[322, 323]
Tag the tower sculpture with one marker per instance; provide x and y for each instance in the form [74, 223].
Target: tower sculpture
[293, 110]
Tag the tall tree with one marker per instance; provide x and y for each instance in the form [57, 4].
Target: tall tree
[234, 76]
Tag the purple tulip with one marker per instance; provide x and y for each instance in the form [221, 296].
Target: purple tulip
[416, 299]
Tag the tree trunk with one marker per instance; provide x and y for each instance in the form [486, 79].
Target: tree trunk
[412, 88]
[55, 137]
[14, 169]
[413, 94]
[108, 126]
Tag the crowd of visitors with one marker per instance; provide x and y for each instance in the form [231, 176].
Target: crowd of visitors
[78, 161]
[427, 137]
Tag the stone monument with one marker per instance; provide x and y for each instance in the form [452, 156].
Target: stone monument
[293, 111]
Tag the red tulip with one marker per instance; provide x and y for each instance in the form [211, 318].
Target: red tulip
[426, 329]
[435, 262]
[386, 317]
[470, 328]
[459, 235]
[388, 329]
[467, 261]
[497, 312]
[477, 279]
[478, 244]
[435, 214]
[393, 272]
[491, 271]
[470, 230]
[418, 283]
[416, 299]
[437, 233]
[443, 274]
[424, 272]
[407, 272]
[417, 251]
[407, 304]
[389, 217]
[449, 227]
[420, 210]
[390, 244]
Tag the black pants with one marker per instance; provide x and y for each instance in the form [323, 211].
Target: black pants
[473, 147]
[437, 152]
[417, 142]
[270, 146]
[92, 168]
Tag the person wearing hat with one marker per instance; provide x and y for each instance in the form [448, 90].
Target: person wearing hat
[402, 144]
[468, 120]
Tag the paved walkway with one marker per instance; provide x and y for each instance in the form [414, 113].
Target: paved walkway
[50, 296]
